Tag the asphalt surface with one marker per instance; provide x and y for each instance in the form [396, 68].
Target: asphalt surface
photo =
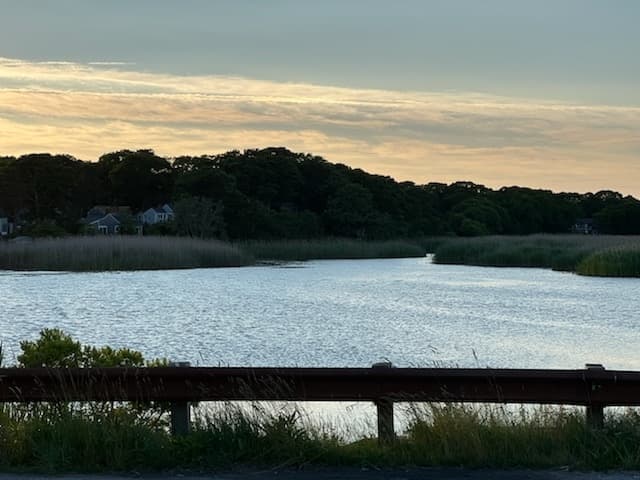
[354, 474]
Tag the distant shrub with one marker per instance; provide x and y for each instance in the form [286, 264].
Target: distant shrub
[45, 229]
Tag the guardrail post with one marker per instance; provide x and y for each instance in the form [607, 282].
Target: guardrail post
[384, 407]
[180, 411]
[595, 411]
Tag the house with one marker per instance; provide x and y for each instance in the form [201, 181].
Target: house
[585, 226]
[155, 215]
[109, 220]
[6, 227]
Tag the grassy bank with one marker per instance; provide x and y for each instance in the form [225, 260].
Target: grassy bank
[452, 435]
[584, 254]
[119, 253]
[332, 248]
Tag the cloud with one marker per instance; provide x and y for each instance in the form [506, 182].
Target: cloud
[87, 109]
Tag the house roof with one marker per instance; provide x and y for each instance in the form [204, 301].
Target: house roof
[109, 220]
[166, 208]
[120, 214]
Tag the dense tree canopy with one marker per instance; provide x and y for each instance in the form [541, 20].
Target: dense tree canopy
[276, 193]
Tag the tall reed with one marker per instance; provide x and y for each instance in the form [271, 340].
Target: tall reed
[119, 253]
[559, 252]
[622, 261]
[495, 436]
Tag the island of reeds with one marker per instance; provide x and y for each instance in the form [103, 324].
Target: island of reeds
[596, 255]
[238, 207]
[58, 437]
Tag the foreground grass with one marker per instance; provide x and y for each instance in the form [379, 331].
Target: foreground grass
[584, 254]
[450, 435]
[119, 253]
[333, 248]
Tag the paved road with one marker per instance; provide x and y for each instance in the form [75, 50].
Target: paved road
[357, 474]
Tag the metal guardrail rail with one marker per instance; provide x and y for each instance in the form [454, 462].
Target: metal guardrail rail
[593, 387]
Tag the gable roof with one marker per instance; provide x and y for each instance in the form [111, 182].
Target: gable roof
[109, 220]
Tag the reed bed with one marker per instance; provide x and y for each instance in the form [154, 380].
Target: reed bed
[478, 436]
[332, 248]
[622, 261]
[86, 254]
[559, 252]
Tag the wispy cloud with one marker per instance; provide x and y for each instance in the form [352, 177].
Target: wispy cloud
[87, 109]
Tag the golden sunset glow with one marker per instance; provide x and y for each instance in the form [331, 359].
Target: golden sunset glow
[89, 109]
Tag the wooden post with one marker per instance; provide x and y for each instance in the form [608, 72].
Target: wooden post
[384, 407]
[595, 411]
[180, 411]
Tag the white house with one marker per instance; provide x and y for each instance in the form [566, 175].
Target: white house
[152, 216]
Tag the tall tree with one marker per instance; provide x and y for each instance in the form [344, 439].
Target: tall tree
[137, 179]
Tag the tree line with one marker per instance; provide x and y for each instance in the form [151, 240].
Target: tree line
[275, 193]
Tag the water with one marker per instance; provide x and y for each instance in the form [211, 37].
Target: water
[336, 313]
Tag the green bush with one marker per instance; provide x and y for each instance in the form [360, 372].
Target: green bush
[55, 348]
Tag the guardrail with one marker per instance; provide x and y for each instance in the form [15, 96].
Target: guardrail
[594, 387]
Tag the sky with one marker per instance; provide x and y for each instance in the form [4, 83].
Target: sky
[500, 92]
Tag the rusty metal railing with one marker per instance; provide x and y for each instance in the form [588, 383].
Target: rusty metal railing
[593, 387]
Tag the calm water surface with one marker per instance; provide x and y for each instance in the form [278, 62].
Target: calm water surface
[337, 313]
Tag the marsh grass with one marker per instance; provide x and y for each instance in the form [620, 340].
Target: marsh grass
[112, 253]
[331, 248]
[621, 261]
[229, 437]
[61, 440]
[118, 253]
[494, 436]
[559, 252]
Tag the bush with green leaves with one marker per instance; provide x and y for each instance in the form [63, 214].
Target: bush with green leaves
[56, 349]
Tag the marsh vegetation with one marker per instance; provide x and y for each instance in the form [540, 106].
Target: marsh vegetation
[109, 253]
[42, 438]
[604, 255]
